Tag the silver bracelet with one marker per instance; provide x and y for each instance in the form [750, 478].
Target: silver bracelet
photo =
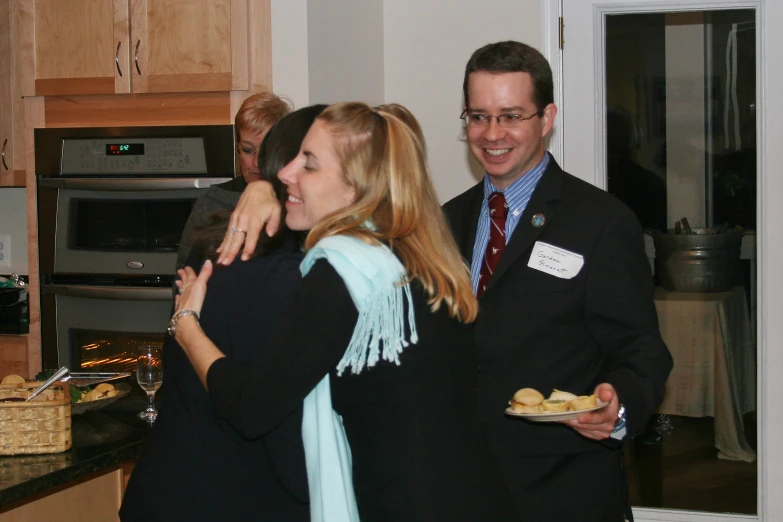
[177, 316]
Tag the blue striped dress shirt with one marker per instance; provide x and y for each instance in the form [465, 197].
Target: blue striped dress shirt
[517, 196]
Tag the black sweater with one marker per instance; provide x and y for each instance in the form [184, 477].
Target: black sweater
[195, 466]
[418, 451]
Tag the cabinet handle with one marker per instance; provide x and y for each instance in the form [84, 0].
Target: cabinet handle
[136, 57]
[3, 153]
[117, 58]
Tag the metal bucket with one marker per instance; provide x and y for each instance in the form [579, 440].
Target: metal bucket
[702, 261]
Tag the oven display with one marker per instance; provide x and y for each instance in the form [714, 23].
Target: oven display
[124, 149]
[134, 156]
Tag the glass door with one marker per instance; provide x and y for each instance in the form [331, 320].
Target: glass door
[661, 108]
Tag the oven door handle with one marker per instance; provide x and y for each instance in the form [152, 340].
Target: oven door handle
[129, 184]
[111, 293]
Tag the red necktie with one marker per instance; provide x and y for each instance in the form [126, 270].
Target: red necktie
[497, 239]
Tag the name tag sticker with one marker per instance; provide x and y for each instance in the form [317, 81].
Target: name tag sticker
[555, 261]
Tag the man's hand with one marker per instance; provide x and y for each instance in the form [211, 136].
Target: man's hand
[598, 425]
[258, 206]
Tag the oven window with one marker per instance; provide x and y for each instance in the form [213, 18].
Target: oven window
[105, 351]
[123, 225]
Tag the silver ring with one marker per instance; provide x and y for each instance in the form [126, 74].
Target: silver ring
[235, 229]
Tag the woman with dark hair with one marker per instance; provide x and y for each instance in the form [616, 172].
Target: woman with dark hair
[254, 118]
[194, 465]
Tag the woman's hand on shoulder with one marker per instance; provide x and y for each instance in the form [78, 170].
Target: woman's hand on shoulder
[258, 207]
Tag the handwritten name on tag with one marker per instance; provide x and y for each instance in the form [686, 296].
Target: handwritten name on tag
[555, 261]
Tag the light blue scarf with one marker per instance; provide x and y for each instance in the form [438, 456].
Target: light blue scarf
[376, 280]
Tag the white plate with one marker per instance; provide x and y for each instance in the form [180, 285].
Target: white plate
[554, 416]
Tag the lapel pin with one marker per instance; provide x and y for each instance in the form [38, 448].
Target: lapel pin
[538, 220]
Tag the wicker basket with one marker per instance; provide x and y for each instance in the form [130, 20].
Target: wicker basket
[35, 427]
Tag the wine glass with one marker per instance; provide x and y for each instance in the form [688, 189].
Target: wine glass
[149, 374]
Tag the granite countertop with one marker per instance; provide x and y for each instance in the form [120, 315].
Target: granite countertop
[101, 438]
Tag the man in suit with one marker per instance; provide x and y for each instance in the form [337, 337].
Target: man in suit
[566, 298]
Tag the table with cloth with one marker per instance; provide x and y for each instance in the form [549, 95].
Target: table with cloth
[711, 339]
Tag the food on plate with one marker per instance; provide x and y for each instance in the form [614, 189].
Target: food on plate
[584, 402]
[518, 407]
[528, 397]
[104, 387]
[529, 400]
[13, 379]
[101, 391]
[558, 395]
[76, 394]
[92, 395]
[555, 406]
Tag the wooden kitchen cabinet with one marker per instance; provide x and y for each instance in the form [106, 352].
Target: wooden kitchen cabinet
[93, 498]
[186, 45]
[137, 46]
[11, 115]
[6, 113]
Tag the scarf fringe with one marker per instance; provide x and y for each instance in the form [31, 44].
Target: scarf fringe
[377, 283]
[381, 322]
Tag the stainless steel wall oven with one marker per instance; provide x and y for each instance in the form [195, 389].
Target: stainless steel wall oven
[112, 204]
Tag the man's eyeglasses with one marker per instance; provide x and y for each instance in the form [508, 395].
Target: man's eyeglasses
[508, 120]
[247, 151]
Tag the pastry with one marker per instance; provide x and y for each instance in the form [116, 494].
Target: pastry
[555, 406]
[585, 402]
[104, 387]
[558, 395]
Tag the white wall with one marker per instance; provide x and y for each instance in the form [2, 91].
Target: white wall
[345, 50]
[426, 46]
[290, 76]
[411, 52]
[13, 223]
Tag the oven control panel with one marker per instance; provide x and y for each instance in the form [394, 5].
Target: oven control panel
[133, 156]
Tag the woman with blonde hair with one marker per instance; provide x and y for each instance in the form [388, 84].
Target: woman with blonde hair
[379, 345]
[407, 117]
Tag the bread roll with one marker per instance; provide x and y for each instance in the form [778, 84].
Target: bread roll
[104, 387]
[585, 402]
[555, 406]
[13, 379]
[92, 395]
[528, 397]
[518, 407]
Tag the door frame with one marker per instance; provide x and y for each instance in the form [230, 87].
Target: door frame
[574, 151]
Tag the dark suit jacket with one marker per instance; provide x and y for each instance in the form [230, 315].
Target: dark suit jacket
[539, 331]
